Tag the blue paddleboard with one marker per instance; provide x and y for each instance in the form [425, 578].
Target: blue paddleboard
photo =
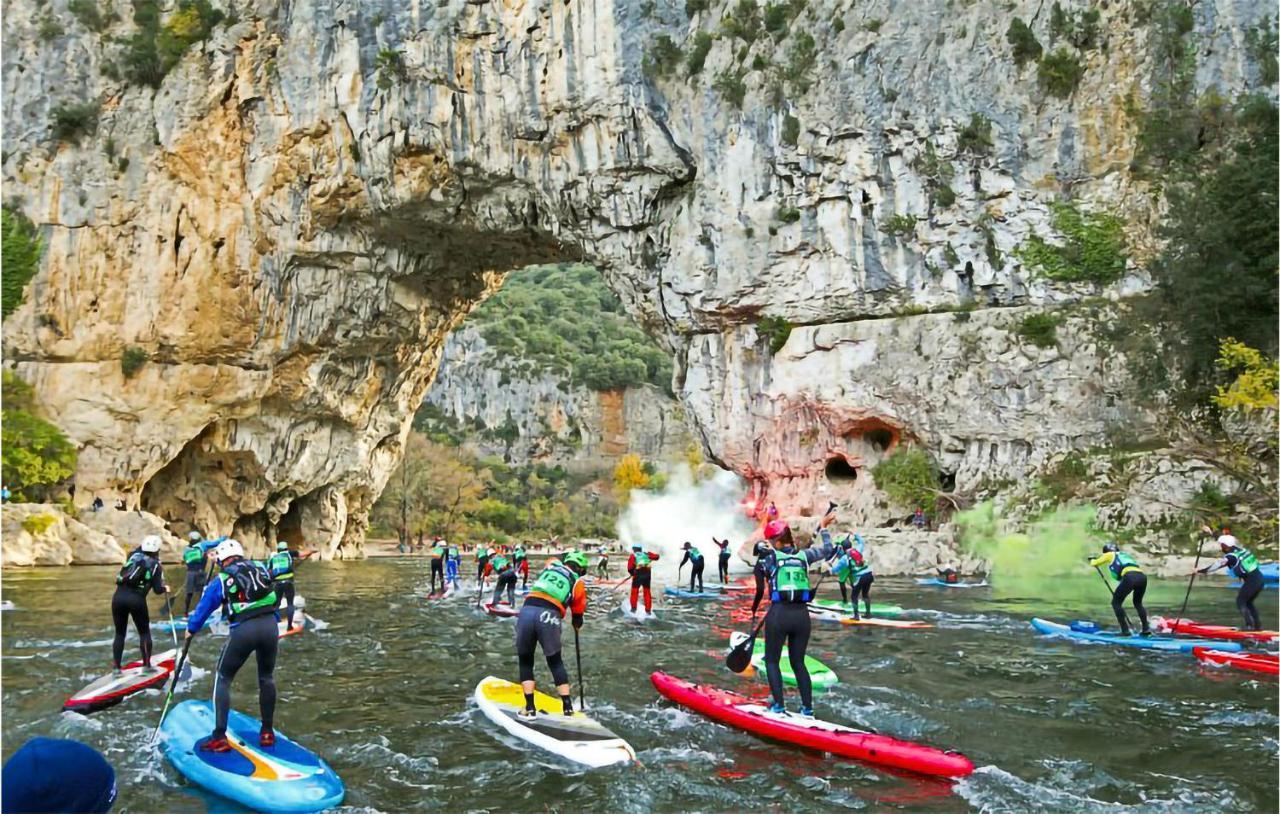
[284, 777]
[683, 594]
[942, 584]
[1148, 643]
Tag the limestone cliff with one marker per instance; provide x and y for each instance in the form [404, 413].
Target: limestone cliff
[290, 224]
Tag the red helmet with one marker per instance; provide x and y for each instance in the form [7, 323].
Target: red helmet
[775, 528]
[857, 556]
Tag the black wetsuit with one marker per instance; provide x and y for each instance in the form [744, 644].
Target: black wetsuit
[724, 561]
[259, 635]
[506, 578]
[539, 623]
[142, 573]
[1134, 582]
[762, 552]
[698, 562]
[787, 624]
[286, 592]
[1250, 586]
[195, 576]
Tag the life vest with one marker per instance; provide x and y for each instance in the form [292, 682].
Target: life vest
[556, 584]
[247, 591]
[453, 552]
[437, 551]
[1122, 563]
[518, 554]
[500, 564]
[694, 555]
[194, 557]
[1245, 563]
[642, 560]
[791, 578]
[281, 566]
[136, 572]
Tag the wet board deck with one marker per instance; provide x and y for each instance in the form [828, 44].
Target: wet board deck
[109, 690]
[578, 738]
[819, 674]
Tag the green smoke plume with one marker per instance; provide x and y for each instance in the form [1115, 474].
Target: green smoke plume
[1046, 559]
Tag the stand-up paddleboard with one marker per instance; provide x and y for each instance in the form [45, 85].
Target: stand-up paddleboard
[898, 624]
[501, 609]
[639, 614]
[730, 586]
[680, 593]
[820, 674]
[576, 737]
[833, 610]
[1190, 628]
[938, 583]
[1088, 632]
[752, 716]
[111, 689]
[1268, 663]
[284, 777]
[300, 621]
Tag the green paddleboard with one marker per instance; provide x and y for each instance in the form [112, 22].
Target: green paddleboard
[820, 674]
[847, 608]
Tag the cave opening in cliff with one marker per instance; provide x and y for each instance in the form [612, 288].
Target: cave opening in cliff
[947, 481]
[838, 469]
[880, 439]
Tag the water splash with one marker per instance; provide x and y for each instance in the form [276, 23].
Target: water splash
[1033, 561]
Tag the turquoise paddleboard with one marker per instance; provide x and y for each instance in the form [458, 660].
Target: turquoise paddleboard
[1080, 632]
[284, 777]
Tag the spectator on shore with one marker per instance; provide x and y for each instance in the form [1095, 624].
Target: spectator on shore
[98, 504]
[4, 493]
[919, 520]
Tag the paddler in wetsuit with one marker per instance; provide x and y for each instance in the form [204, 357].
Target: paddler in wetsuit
[697, 562]
[847, 568]
[1129, 579]
[483, 553]
[195, 558]
[724, 560]
[521, 561]
[787, 624]
[760, 551]
[1244, 565]
[557, 590]
[140, 573]
[452, 562]
[639, 566]
[245, 588]
[602, 564]
[438, 549]
[505, 569]
[281, 566]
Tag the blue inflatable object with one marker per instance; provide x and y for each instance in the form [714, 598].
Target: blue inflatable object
[1148, 642]
[284, 777]
[942, 584]
[1270, 572]
[680, 593]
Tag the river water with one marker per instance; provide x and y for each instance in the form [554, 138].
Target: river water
[383, 693]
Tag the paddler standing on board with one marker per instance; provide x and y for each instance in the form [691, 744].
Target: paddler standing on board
[1129, 580]
[438, 549]
[640, 567]
[697, 562]
[787, 622]
[559, 589]
[452, 562]
[1244, 565]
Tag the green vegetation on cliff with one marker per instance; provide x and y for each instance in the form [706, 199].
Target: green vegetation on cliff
[21, 256]
[36, 456]
[564, 320]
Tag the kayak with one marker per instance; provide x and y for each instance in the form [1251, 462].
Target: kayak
[683, 594]
[501, 609]
[284, 777]
[1190, 628]
[1087, 632]
[844, 607]
[1268, 663]
[111, 689]
[820, 674]
[578, 737]
[751, 716]
[943, 584]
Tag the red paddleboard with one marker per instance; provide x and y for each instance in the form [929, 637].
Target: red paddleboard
[1190, 628]
[501, 609]
[110, 689]
[1268, 663]
[755, 717]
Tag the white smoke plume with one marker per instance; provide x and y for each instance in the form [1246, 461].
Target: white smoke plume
[685, 510]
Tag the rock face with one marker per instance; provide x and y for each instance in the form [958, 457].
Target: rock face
[316, 195]
[536, 416]
[41, 534]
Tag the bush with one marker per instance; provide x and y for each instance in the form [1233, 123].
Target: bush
[132, 360]
[1080, 28]
[86, 11]
[692, 7]
[776, 17]
[19, 257]
[37, 524]
[155, 48]
[1026, 48]
[743, 22]
[50, 28]
[775, 329]
[1040, 330]
[1060, 72]
[1256, 377]
[944, 195]
[899, 225]
[873, 25]
[788, 214]
[909, 478]
[663, 57]
[34, 454]
[70, 122]
[731, 86]
[1261, 44]
[1092, 247]
[790, 130]
[698, 53]
[837, 24]
[975, 137]
[390, 68]
[800, 60]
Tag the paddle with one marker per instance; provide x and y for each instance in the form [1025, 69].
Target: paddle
[177, 670]
[582, 688]
[1192, 581]
[480, 593]
[1111, 591]
[173, 627]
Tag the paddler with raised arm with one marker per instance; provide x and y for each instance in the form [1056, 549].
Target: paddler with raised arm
[1241, 562]
[558, 590]
[787, 622]
[1129, 580]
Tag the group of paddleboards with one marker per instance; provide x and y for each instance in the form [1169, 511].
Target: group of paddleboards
[213, 746]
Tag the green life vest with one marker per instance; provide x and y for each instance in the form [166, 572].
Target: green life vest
[193, 555]
[642, 559]
[518, 554]
[1120, 562]
[499, 563]
[281, 565]
[1246, 563]
[453, 552]
[694, 555]
[246, 587]
[136, 572]
[791, 579]
[438, 551]
[556, 581]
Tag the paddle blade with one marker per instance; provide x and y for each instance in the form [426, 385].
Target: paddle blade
[739, 658]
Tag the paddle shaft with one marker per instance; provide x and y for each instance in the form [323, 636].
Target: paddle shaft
[577, 654]
[173, 627]
[177, 671]
[1190, 582]
[1112, 591]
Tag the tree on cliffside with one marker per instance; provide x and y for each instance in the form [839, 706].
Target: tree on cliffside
[629, 474]
[36, 455]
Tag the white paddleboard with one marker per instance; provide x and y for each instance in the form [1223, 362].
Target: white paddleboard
[578, 737]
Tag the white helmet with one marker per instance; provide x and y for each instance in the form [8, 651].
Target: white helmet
[193, 536]
[150, 544]
[1228, 541]
[227, 549]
